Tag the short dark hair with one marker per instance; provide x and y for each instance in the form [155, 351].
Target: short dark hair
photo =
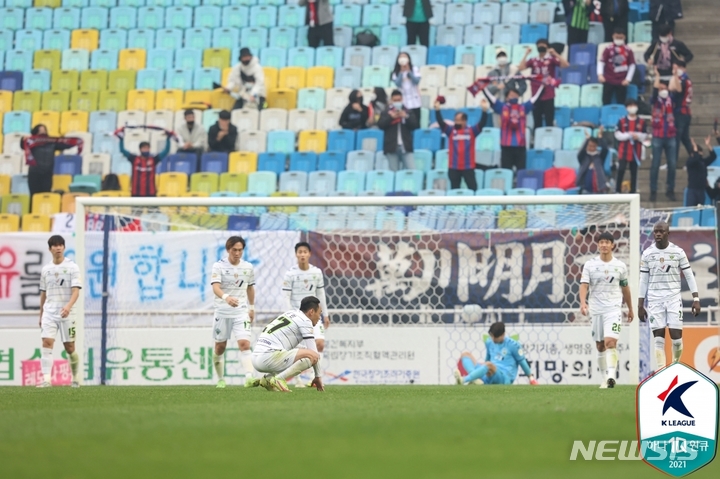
[542, 40]
[594, 140]
[56, 240]
[303, 244]
[232, 241]
[462, 114]
[309, 303]
[619, 30]
[665, 82]
[497, 329]
[395, 92]
[681, 63]
[189, 111]
[664, 30]
[143, 144]
[224, 115]
[36, 129]
[606, 235]
[630, 102]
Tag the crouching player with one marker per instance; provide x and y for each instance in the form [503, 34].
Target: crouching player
[502, 358]
[276, 351]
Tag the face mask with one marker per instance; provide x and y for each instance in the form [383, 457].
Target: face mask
[402, 61]
[458, 126]
[145, 154]
[190, 124]
[245, 62]
[619, 42]
[513, 101]
[679, 72]
[664, 94]
[502, 61]
[593, 153]
[397, 105]
[359, 100]
[542, 50]
[664, 39]
[632, 110]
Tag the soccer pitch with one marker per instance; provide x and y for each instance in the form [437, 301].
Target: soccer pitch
[345, 432]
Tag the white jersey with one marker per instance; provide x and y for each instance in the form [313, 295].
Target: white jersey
[605, 280]
[285, 332]
[234, 280]
[661, 269]
[58, 280]
[302, 283]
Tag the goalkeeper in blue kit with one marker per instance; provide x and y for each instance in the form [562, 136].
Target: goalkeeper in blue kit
[503, 356]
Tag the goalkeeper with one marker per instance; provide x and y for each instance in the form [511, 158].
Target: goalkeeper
[503, 356]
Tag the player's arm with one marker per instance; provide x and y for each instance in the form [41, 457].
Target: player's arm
[287, 290]
[584, 285]
[310, 344]
[522, 362]
[320, 291]
[251, 301]
[232, 301]
[43, 297]
[644, 279]
[627, 298]
[74, 295]
[692, 284]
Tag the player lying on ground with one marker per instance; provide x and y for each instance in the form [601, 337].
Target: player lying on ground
[503, 356]
[607, 279]
[276, 351]
[660, 267]
[59, 290]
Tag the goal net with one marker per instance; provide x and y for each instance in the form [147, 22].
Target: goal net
[439, 269]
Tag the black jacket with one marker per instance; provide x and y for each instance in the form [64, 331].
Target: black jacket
[45, 155]
[390, 127]
[678, 51]
[665, 11]
[351, 119]
[410, 7]
[607, 9]
[227, 144]
[697, 170]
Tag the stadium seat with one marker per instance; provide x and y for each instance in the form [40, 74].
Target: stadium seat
[45, 204]
[348, 77]
[67, 18]
[539, 160]
[393, 35]
[28, 40]
[197, 38]
[263, 16]
[574, 75]
[351, 182]
[17, 122]
[357, 56]
[360, 160]
[104, 60]
[557, 33]
[68, 165]
[51, 119]
[36, 223]
[567, 96]
[55, 100]
[548, 138]
[9, 223]
[381, 181]
[150, 79]
[204, 182]
[86, 184]
[427, 139]
[216, 58]
[132, 59]
[233, 182]
[242, 162]
[528, 180]
[19, 185]
[235, 16]
[322, 181]
[65, 80]
[330, 56]
[347, 15]
[574, 137]
[264, 182]
[293, 181]
[16, 204]
[532, 32]
[331, 161]
[187, 58]
[56, 39]
[586, 115]
[256, 38]
[610, 115]
[409, 180]
[303, 161]
[123, 17]
[59, 183]
[113, 39]
[312, 140]
[390, 220]
[169, 99]
[563, 178]
[20, 60]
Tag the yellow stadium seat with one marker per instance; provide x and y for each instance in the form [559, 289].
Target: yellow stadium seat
[124, 183]
[26, 100]
[93, 80]
[51, 119]
[85, 39]
[112, 100]
[195, 98]
[285, 98]
[216, 58]
[132, 59]
[312, 140]
[56, 100]
[204, 182]
[61, 183]
[319, 77]
[141, 100]
[283, 209]
[194, 210]
[73, 121]
[112, 194]
[5, 182]
[47, 3]
[233, 182]
[242, 162]
[271, 77]
[292, 77]
[17, 204]
[65, 80]
[172, 184]
[6, 100]
[512, 219]
[46, 203]
[84, 100]
[221, 100]
[68, 201]
[226, 75]
[36, 223]
[47, 60]
[9, 223]
[122, 80]
[168, 100]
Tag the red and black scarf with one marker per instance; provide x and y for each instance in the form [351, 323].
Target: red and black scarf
[41, 140]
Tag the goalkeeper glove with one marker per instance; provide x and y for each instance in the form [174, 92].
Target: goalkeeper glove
[533, 381]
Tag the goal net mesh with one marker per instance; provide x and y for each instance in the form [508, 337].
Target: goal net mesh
[458, 267]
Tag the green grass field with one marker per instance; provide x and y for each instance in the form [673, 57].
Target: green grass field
[346, 432]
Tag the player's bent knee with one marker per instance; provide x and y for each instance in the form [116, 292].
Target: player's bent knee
[600, 346]
[320, 343]
[69, 347]
[220, 348]
[48, 343]
[309, 354]
[610, 343]
[244, 345]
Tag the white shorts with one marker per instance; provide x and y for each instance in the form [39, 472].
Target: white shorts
[238, 327]
[606, 325]
[51, 324]
[273, 361]
[319, 330]
[662, 314]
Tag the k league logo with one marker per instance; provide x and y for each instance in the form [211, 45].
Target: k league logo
[677, 420]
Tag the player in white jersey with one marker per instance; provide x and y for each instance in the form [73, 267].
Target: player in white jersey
[660, 285]
[276, 350]
[302, 280]
[60, 286]
[607, 279]
[233, 281]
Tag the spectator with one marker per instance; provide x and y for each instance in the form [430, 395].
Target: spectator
[193, 136]
[223, 134]
[614, 17]
[319, 20]
[545, 64]
[714, 191]
[503, 68]
[682, 89]
[355, 116]
[144, 166]
[417, 15]
[461, 146]
[591, 157]
[40, 150]
[664, 138]
[111, 182]
[697, 173]
[513, 118]
[630, 134]
[616, 69]
[378, 104]
[665, 51]
[663, 13]
[407, 78]
[246, 82]
[577, 17]
[398, 124]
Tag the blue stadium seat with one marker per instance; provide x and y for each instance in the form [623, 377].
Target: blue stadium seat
[410, 180]
[596, 33]
[168, 38]
[449, 35]
[488, 140]
[151, 17]
[381, 181]
[686, 219]
[214, 162]
[264, 16]
[708, 218]
[274, 57]
[341, 141]
[516, 13]
[563, 116]
[574, 75]
[499, 178]
[16, 122]
[293, 181]
[12, 18]
[394, 35]
[311, 99]
[301, 57]
[235, 16]
[254, 38]
[283, 37]
[207, 16]
[273, 221]
[351, 182]
[178, 17]
[11, 80]
[574, 137]
[437, 179]
[441, 55]
[291, 16]
[18, 60]
[486, 13]
[303, 161]
[508, 34]
[530, 179]
[423, 159]
[359, 160]
[179, 79]
[38, 80]
[542, 12]
[427, 139]
[75, 59]
[141, 38]
[188, 58]
[123, 17]
[583, 54]
[331, 161]
[281, 141]
[469, 55]
[557, 32]
[150, 79]
[390, 220]
[532, 32]
[204, 78]
[549, 191]
[611, 114]
[66, 18]
[182, 163]
[199, 38]
[539, 160]
[322, 181]
[159, 59]
[347, 15]
[28, 40]
[102, 121]
[243, 223]
[589, 114]
[329, 56]
[566, 159]
[303, 221]
[113, 39]
[358, 56]
[94, 18]
[7, 40]
[68, 165]
[39, 18]
[369, 140]
[223, 37]
[348, 77]
[567, 96]
[458, 14]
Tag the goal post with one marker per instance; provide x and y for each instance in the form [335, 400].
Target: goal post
[401, 298]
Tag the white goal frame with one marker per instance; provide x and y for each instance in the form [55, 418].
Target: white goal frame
[632, 200]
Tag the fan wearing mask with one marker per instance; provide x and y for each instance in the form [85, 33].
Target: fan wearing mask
[355, 115]
[407, 79]
[630, 133]
[143, 167]
[591, 157]
[664, 138]
[193, 136]
[697, 173]
[616, 69]
[545, 64]
[398, 125]
[40, 150]
[246, 82]
[503, 68]
[664, 52]
[682, 89]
